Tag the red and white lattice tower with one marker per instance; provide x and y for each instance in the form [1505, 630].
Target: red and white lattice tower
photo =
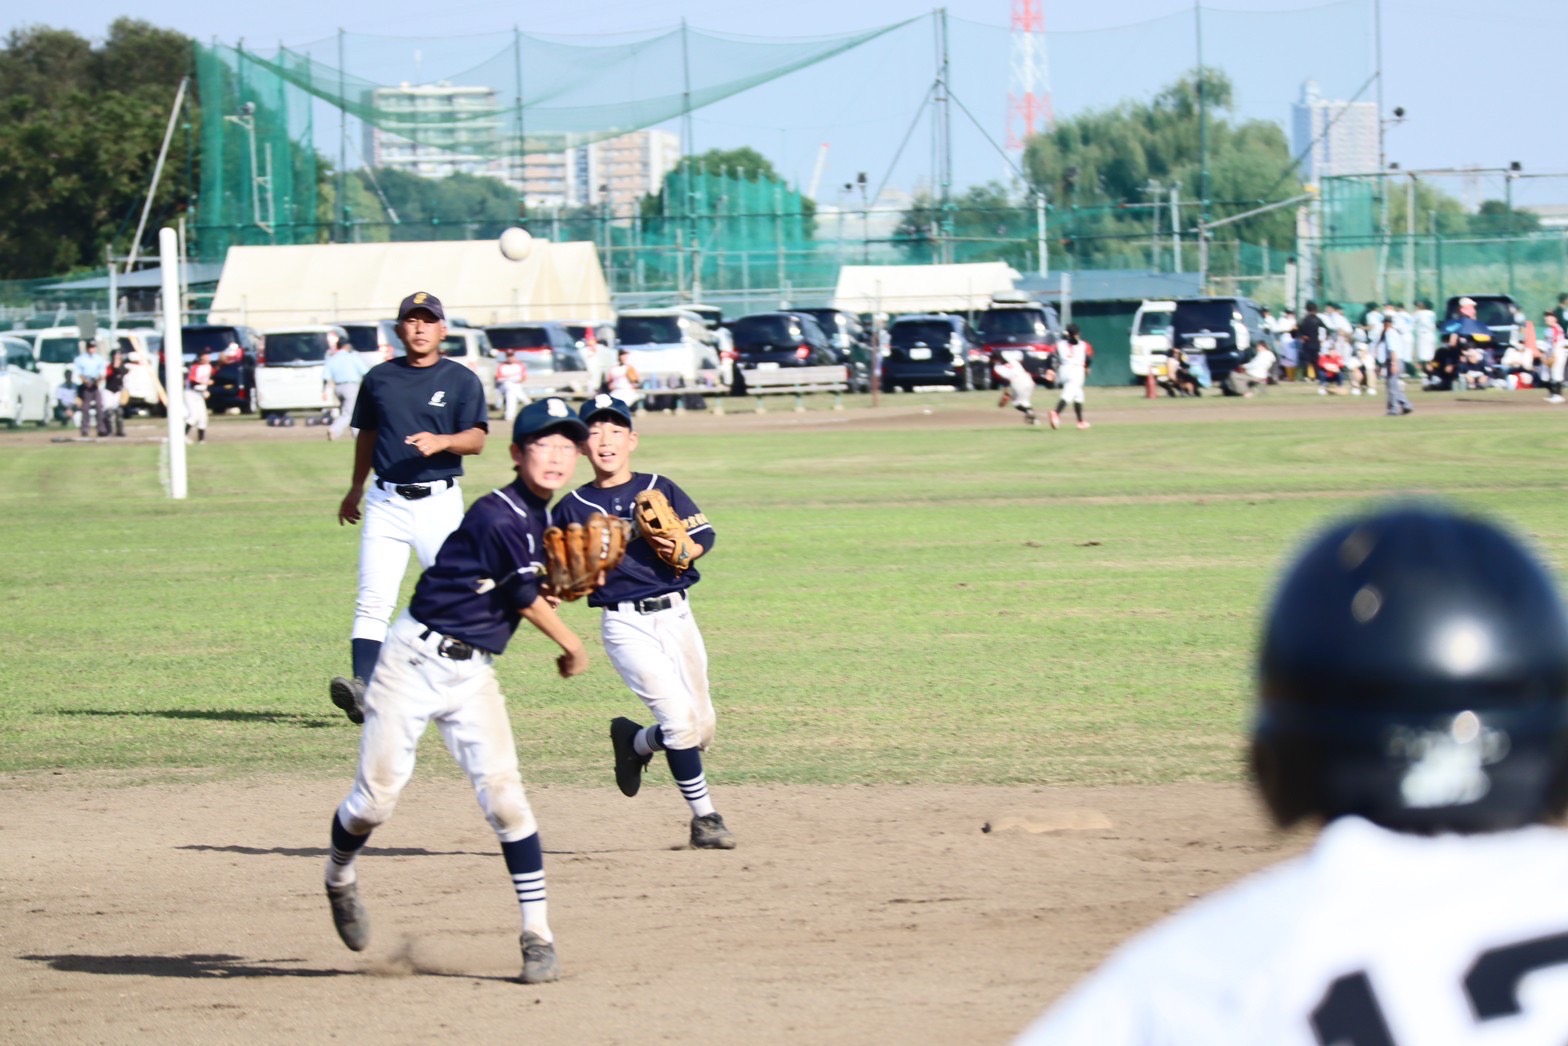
[1029, 84]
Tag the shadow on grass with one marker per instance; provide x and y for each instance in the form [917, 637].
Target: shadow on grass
[305, 719]
[193, 966]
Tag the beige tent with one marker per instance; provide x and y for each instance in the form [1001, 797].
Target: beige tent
[327, 283]
[921, 288]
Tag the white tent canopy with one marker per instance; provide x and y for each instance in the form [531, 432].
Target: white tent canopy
[921, 288]
[329, 283]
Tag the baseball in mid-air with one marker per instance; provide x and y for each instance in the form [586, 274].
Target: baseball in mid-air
[516, 243]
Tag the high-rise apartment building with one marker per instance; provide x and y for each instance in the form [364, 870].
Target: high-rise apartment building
[1342, 135]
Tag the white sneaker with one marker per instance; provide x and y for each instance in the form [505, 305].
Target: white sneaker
[1355, 392]
[1554, 399]
[1322, 391]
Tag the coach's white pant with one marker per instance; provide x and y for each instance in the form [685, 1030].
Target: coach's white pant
[413, 685]
[348, 393]
[392, 527]
[662, 659]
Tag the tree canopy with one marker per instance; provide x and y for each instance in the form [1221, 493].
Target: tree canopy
[80, 128]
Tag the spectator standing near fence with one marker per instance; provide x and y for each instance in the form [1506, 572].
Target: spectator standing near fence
[510, 374]
[1390, 351]
[1309, 340]
[1423, 329]
[623, 382]
[345, 371]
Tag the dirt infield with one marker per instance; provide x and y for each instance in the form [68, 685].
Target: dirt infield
[194, 912]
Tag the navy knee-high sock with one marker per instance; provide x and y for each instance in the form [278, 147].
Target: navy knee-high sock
[686, 768]
[345, 847]
[525, 863]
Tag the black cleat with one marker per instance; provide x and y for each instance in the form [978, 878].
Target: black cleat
[708, 833]
[629, 766]
[349, 695]
[349, 916]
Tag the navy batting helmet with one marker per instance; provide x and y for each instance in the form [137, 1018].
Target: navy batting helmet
[1414, 671]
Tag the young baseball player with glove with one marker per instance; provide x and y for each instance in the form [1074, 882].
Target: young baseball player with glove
[1412, 698]
[649, 632]
[1019, 385]
[417, 415]
[439, 665]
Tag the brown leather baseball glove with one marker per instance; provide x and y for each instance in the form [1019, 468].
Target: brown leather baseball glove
[578, 557]
[656, 518]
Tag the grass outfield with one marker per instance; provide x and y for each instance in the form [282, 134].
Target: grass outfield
[969, 603]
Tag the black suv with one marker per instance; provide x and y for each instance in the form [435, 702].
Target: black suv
[216, 339]
[929, 349]
[1030, 329]
[1498, 311]
[1223, 332]
[770, 340]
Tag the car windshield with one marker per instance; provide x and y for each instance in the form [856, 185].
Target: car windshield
[1154, 323]
[298, 348]
[58, 350]
[766, 330]
[999, 323]
[454, 345]
[18, 355]
[1492, 312]
[1203, 315]
[213, 339]
[648, 330]
[520, 337]
[928, 332]
[829, 319]
[366, 338]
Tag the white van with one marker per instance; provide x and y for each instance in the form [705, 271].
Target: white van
[1151, 336]
[56, 349]
[291, 373]
[674, 346]
[471, 347]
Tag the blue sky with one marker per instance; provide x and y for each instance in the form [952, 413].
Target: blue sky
[1502, 106]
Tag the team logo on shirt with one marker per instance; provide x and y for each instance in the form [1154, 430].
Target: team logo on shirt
[439, 399]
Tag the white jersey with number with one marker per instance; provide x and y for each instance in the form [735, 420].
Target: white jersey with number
[1372, 937]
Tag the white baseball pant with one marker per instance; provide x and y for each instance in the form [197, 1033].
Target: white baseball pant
[413, 685]
[662, 659]
[348, 393]
[392, 526]
[1072, 386]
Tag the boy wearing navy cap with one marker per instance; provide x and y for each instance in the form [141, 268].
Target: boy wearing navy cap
[439, 665]
[417, 416]
[649, 633]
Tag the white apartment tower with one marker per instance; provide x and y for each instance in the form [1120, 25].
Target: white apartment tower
[1342, 135]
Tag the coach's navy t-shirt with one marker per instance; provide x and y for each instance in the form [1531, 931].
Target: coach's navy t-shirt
[398, 399]
[488, 570]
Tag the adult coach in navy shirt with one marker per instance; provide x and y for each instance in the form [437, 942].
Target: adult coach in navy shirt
[417, 415]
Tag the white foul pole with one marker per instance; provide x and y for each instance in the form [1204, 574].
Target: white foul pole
[173, 357]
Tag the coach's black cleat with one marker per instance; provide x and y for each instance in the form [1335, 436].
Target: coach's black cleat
[629, 766]
[540, 965]
[349, 916]
[349, 695]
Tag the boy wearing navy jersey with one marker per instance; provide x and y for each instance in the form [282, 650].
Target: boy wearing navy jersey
[439, 665]
[417, 415]
[649, 633]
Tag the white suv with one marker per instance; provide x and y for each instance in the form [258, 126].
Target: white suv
[668, 344]
[292, 371]
[1150, 336]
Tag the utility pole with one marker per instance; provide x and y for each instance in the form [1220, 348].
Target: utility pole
[1176, 226]
[1042, 256]
[1203, 156]
[944, 140]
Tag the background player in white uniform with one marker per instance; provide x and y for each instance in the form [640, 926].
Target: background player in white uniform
[649, 632]
[440, 666]
[416, 415]
[1413, 693]
[1072, 370]
[1020, 385]
[1554, 351]
[198, 384]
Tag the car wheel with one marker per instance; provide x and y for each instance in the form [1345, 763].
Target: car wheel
[887, 386]
[907, 387]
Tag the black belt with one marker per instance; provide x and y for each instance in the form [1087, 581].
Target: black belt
[415, 491]
[449, 648]
[651, 605]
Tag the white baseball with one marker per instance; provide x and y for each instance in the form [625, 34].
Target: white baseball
[516, 243]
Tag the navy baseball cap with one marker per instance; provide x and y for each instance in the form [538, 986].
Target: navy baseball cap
[548, 415]
[421, 300]
[603, 404]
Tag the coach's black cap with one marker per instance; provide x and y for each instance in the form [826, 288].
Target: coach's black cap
[421, 300]
[548, 415]
[603, 404]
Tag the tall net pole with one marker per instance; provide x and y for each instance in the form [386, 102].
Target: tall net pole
[1029, 75]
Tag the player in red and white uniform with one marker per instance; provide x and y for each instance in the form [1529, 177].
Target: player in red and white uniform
[510, 374]
[1009, 368]
[198, 383]
[1073, 356]
[1413, 686]
[1554, 352]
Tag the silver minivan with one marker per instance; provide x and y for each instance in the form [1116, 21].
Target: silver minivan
[674, 346]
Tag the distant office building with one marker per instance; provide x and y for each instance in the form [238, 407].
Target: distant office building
[615, 173]
[1342, 135]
